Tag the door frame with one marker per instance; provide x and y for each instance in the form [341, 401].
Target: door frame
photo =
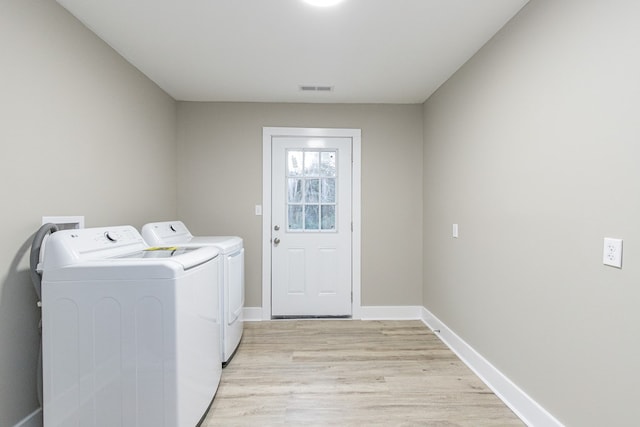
[355, 134]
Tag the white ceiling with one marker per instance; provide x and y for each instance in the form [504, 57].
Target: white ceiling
[370, 51]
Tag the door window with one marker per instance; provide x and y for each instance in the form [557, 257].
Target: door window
[311, 190]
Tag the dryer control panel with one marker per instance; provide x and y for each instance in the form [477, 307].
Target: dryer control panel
[167, 232]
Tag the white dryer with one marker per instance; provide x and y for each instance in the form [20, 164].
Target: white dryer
[232, 277]
[127, 329]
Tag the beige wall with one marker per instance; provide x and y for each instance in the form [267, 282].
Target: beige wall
[533, 147]
[220, 182]
[82, 133]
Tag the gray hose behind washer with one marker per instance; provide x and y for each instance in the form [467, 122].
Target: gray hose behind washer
[34, 260]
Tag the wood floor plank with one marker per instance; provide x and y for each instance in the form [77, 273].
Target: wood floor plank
[350, 373]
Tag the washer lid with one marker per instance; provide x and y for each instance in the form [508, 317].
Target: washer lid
[187, 257]
[159, 252]
[139, 265]
[113, 246]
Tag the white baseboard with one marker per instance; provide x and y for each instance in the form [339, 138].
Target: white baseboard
[404, 312]
[34, 419]
[408, 312]
[527, 409]
[252, 314]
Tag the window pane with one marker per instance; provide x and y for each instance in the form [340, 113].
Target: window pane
[311, 163]
[294, 190]
[328, 163]
[312, 191]
[311, 217]
[328, 217]
[328, 190]
[295, 217]
[294, 163]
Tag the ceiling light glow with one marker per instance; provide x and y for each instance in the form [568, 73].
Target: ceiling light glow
[323, 3]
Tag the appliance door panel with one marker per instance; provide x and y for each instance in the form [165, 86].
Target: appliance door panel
[235, 285]
[131, 352]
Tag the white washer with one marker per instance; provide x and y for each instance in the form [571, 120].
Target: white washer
[127, 330]
[232, 278]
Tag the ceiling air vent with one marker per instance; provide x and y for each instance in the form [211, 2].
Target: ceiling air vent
[309, 88]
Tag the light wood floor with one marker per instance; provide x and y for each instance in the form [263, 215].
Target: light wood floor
[350, 373]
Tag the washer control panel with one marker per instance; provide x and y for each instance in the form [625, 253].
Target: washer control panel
[69, 246]
[91, 239]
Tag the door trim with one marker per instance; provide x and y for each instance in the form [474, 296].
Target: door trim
[355, 134]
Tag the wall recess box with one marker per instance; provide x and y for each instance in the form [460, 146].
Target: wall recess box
[65, 222]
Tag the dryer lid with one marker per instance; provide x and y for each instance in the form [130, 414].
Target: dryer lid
[226, 244]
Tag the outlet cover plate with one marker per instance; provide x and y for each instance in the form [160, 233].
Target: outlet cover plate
[612, 252]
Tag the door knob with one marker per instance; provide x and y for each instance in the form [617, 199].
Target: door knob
[277, 227]
[276, 241]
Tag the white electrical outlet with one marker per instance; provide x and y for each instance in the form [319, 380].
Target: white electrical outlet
[612, 253]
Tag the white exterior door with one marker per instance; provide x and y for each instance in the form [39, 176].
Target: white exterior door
[311, 226]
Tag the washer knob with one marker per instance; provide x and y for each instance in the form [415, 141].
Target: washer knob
[110, 237]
